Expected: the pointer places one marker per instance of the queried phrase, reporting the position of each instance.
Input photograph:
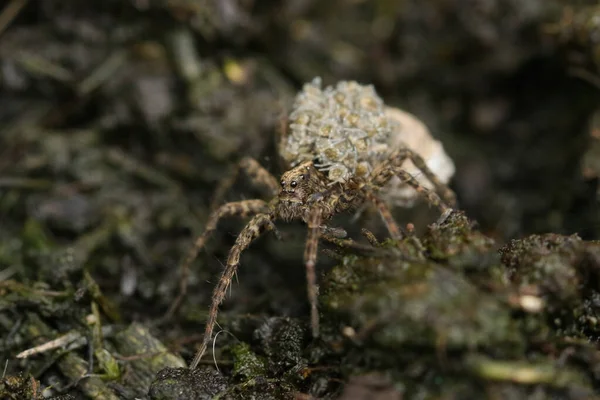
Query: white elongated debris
(413, 133)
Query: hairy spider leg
(259, 177)
(370, 236)
(239, 208)
(310, 259)
(386, 216)
(398, 157)
(324, 206)
(345, 243)
(255, 228)
(393, 167)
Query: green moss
(547, 260)
(423, 319)
(456, 242)
(20, 387)
(246, 364)
(418, 303)
(563, 271)
(185, 384)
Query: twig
(63, 341)
(9, 13)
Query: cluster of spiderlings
(341, 129)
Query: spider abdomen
(341, 128)
(347, 131)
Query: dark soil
(119, 118)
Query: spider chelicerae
(304, 193)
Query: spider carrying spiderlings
(338, 150)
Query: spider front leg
(258, 175)
(239, 208)
(254, 229)
(314, 220)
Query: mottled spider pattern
(337, 148)
(304, 193)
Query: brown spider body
(307, 193)
(305, 186)
(304, 193)
(297, 187)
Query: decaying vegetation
(119, 118)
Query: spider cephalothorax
(299, 187)
(354, 176)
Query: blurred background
(119, 118)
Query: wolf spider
(304, 193)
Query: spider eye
(302, 176)
(293, 184)
(282, 183)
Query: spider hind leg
(239, 208)
(258, 225)
(393, 167)
(396, 161)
